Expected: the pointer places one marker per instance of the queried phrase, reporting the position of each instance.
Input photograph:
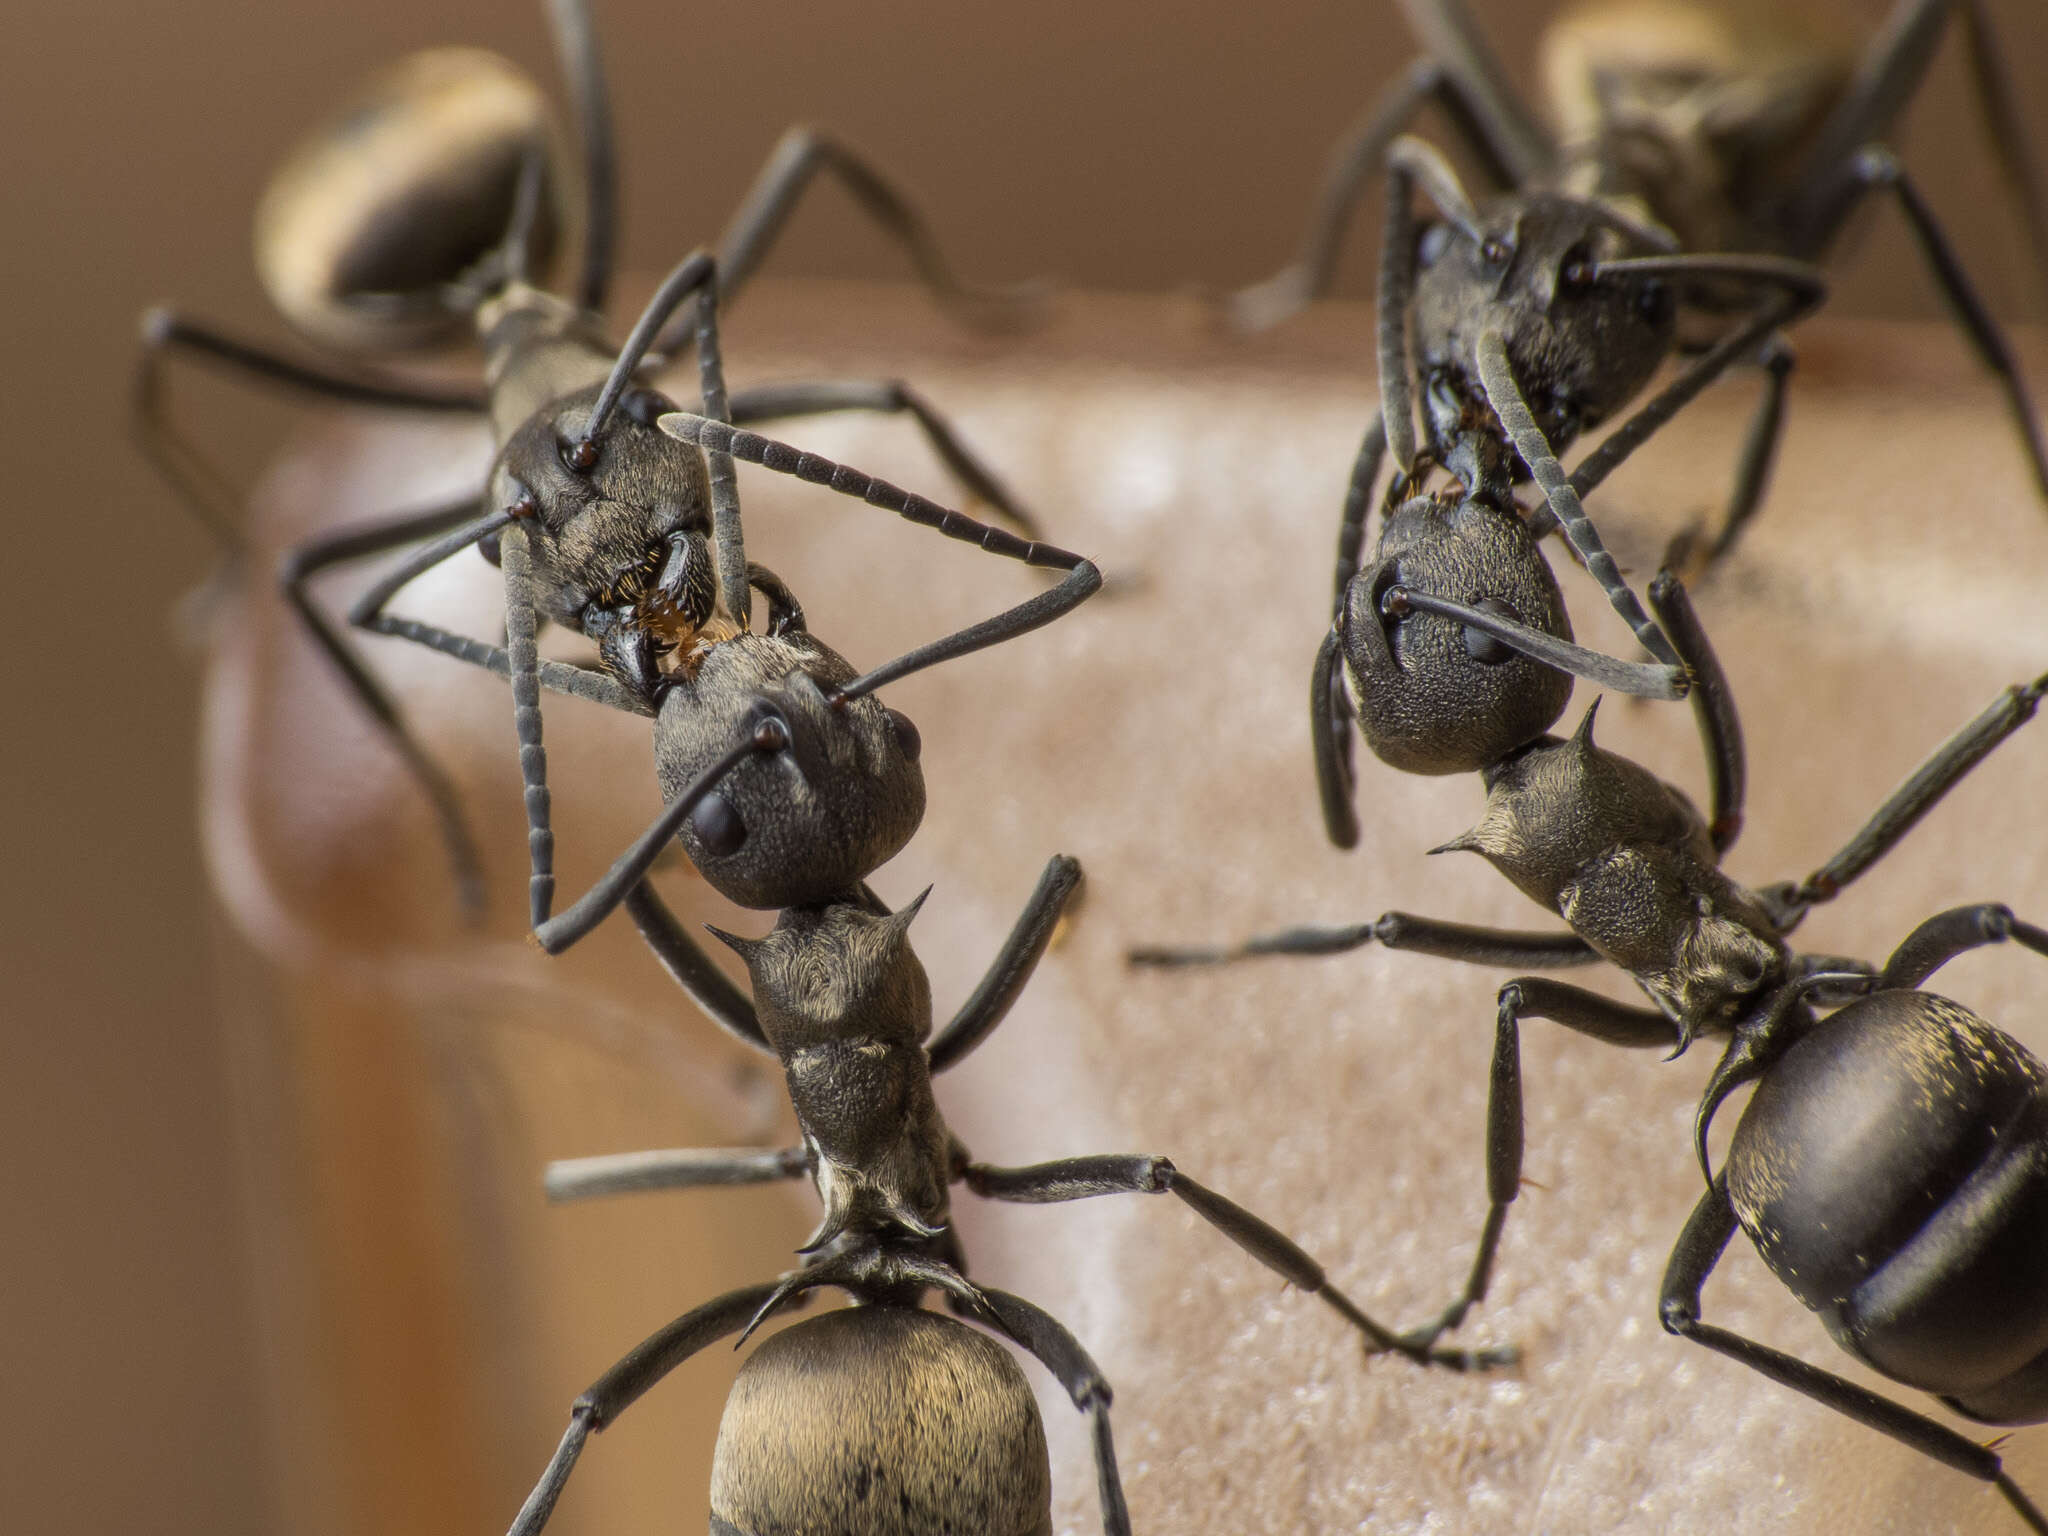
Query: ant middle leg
(1391, 930)
(1700, 1247)
(299, 565)
(1082, 1178)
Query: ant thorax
(844, 1001)
(1626, 860)
(1689, 111)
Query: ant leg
(1061, 1353)
(1877, 169)
(1262, 305)
(2008, 135)
(555, 934)
(1391, 930)
(205, 492)
(1365, 471)
(583, 69)
(1329, 730)
(628, 1173)
(1691, 551)
(621, 1386)
(723, 1002)
(803, 152)
(775, 401)
(1530, 997)
(1505, 396)
(1948, 934)
(1083, 1178)
(1950, 763)
(1082, 578)
(1509, 137)
(298, 566)
(1799, 288)
(166, 331)
(1409, 161)
(1890, 72)
(1014, 963)
(1700, 1246)
(1713, 708)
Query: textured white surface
(1891, 588)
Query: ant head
(1580, 345)
(626, 534)
(366, 234)
(1434, 696)
(805, 824)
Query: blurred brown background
(1109, 145)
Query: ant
(1889, 1165)
(1676, 135)
(839, 1423)
(425, 209)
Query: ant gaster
(389, 230)
(1676, 134)
(832, 1424)
(1892, 1166)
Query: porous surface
(1891, 587)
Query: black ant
(389, 231)
(1890, 1167)
(1723, 147)
(840, 1423)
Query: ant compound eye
(1496, 251)
(645, 405)
(1434, 242)
(1654, 303)
(487, 546)
(718, 825)
(907, 737)
(1490, 650)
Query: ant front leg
(1013, 966)
(621, 1386)
(1083, 1178)
(1713, 707)
(1700, 1247)
(1588, 1013)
